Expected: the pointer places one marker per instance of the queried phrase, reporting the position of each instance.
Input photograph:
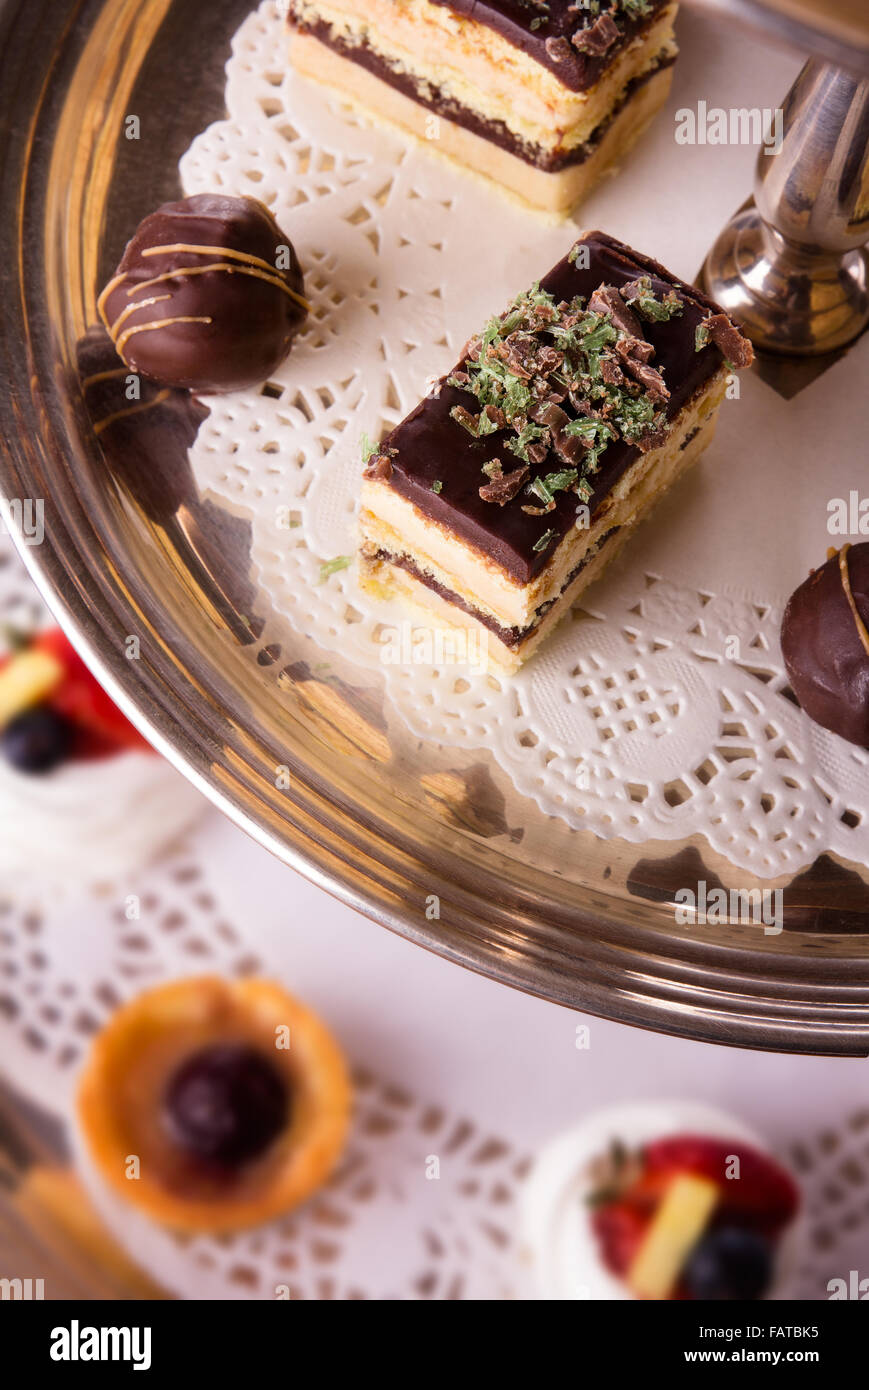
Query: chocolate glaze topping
(430, 446)
(546, 33)
(824, 639)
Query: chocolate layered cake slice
(523, 472)
(542, 98)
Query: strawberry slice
(101, 727)
(620, 1228)
(764, 1195)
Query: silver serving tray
(228, 691)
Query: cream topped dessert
(511, 486)
(542, 98)
(658, 1201)
(82, 794)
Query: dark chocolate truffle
(209, 295)
(825, 644)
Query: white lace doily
(667, 717)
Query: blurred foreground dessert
(82, 794)
(212, 1105)
(660, 1201)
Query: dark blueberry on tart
(52, 710)
(227, 1104)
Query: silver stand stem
(790, 266)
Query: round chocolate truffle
(209, 295)
(825, 644)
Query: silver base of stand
(790, 266)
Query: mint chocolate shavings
(564, 380)
(504, 486)
(544, 540)
(727, 338)
(642, 297)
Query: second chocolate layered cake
(541, 98)
(516, 480)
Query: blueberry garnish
(730, 1262)
(226, 1104)
(37, 740)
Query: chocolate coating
(218, 308)
(430, 445)
(826, 660)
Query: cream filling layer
(91, 822)
(553, 194)
(472, 65)
(388, 521)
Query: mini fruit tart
(662, 1202)
(213, 1105)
